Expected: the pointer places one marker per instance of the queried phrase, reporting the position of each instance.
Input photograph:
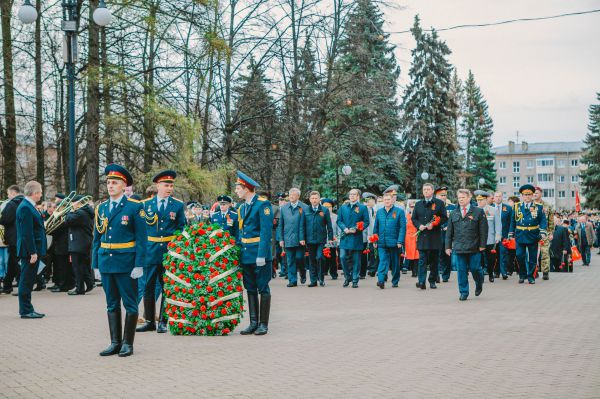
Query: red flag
(577, 202)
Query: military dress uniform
(227, 220)
(528, 224)
(255, 224)
(119, 247)
(164, 217)
(545, 244)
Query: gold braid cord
(101, 222)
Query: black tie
(113, 206)
(162, 205)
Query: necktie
(315, 209)
(162, 205)
(464, 211)
(113, 206)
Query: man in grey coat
(291, 236)
(494, 219)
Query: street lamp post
(102, 17)
(424, 176)
(346, 170)
(480, 182)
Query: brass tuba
(65, 206)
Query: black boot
(114, 326)
(265, 309)
(149, 310)
(162, 319)
(128, 334)
(253, 311)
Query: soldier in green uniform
(545, 244)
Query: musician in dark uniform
(528, 225)
(80, 225)
(225, 217)
(60, 255)
(164, 215)
(255, 223)
(119, 256)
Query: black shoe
(437, 280)
(521, 281)
(394, 285)
(312, 284)
(491, 278)
(381, 285)
(463, 298)
(532, 281)
(273, 275)
(546, 276)
(478, 289)
(253, 312)
(114, 326)
(404, 271)
(32, 315)
(292, 285)
(371, 274)
(504, 277)
(265, 310)
(496, 275)
(421, 286)
(39, 287)
(302, 280)
(128, 334)
(432, 285)
(346, 283)
(362, 277)
(445, 280)
(149, 325)
(162, 327)
(149, 313)
(354, 285)
(89, 287)
(322, 283)
(334, 277)
(75, 292)
(55, 289)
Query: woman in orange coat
(411, 258)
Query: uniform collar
(118, 200)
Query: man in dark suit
(428, 217)
(8, 220)
(31, 246)
(559, 246)
(60, 255)
(318, 232)
(291, 236)
(80, 225)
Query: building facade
(555, 167)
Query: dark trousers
(82, 271)
(412, 265)
(12, 268)
(445, 265)
(388, 259)
(527, 260)
(331, 264)
(428, 257)
(120, 287)
(510, 261)
(26, 281)
(586, 253)
(368, 261)
(489, 260)
(64, 271)
(350, 259)
(256, 278)
(466, 263)
(153, 278)
(295, 263)
(315, 256)
(281, 260)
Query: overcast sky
(539, 77)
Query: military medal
(125, 220)
(172, 215)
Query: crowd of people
(382, 236)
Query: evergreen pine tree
(477, 129)
(591, 157)
(362, 128)
(429, 141)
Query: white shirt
(249, 201)
(30, 201)
(117, 201)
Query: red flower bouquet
(360, 226)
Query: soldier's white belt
(528, 227)
(117, 245)
(250, 240)
(160, 239)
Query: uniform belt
(117, 245)
(160, 239)
(528, 227)
(250, 240)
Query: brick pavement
(515, 341)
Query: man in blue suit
(319, 232)
(350, 216)
(505, 214)
(164, 215)
(31, 246)
(291, 236)
(390, 227)
(255, 228)
(119, 257)
(225, 217)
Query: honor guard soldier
(226, 218)
(528, 225)
(255, 223)
(119, 256)
(164, 215)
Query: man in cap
(225, 217)
(60, 254)
(493, 217)
(119, 256)
(80, 223)
(353, 218)
(164, 215)
(445, 259)
(255, 223)
(545, 244)
(528, 225)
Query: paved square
(514, 341)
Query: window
(502, 180)
(560, 163)
(573, 194)
(529, 179)
(545, 177)
(516, 193)
(516, 167)
(516, 181)
(548, 193)
(545, 162)
(530, 164)
(574, 179)
(562, 194)
(560, 178)
(574, 162)
(502, 165)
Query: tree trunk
(93, 106)
(39, 127)
(9, 139)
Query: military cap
(393, 189)
(442, 188)
(481, 194)
(367, 195)
(327, 201)
(224, 198)
(78, 197)
(246, 181)
(527, 189)
(166, 176)
(401, 197)
(60, 196)
(116, 171)
(538, 188)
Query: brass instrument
(65, 206)
(2, 204)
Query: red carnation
(223, 311)
(178, 250)
(207, 255)
(221, 284)
(219, 234)
(201, 232)
(217, 249)
(203, 316)
(180, 325)
(239, 288)
(187, 243)
(202, 300)
(229, 279)
(228, 304)
(197, 276)
(220, 294)
(211, 298)
(203, 308)
(212, 315)
(235, 262)
(190, 268)
(226, 331)
(374, 238)
(234, 322)
(360, 226)
(195, 312)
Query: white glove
(97, 274)
(260, 262)
(137, 272)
